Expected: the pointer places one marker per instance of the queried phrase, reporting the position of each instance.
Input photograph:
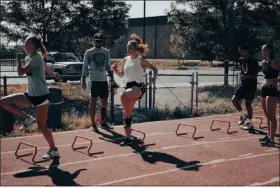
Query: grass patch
(173, 63)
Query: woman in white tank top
(132, 72)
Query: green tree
(62, 24)
(218, 27)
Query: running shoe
(268, 143)
(52, 153)
(264, 139)
(27, 125)
(94, 128)
(242, 119)
(126, 142)
(248, 126)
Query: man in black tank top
(248, 87)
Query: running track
(216, 159)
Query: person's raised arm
(32, 64)
(120, 73)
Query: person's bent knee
(234, 99)
(123, 96)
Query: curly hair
(138, 44)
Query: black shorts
(99, 89)
(141, 86)
(38, 99)
(270, 91)
(246, 91)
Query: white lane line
(189, 120)
(185, 167)
(224, 138)
(130, 154)
(274, 149)
(244, 155)
(272, 180)
(100, 141)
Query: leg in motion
(12, 103)
(104, 123)
(42, 115)
(264, 139)
(236, 102)
(128, 99)
(249, 125)
(271, 111)
(92, 110)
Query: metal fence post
(146, 101)
(112, 102)
(192, 90)
(196, 91)
(154, 93)
(150, 90)
(5, 89)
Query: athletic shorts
(246, 91)
(99, 89)
(38, 100)
(270, 91)
(141, 86)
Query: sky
(153, 8)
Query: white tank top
(133, 70)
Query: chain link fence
(213, 93)
(172, 96)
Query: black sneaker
(94, 128)
(268, 143)
(105, 125)
(126, 142)
(264, 139)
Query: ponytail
(43, 49)
(39, 44)
(142, 48)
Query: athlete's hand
(115, 67)
(84, 85)
(19, 57)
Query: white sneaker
(52, 153)
(248, 126)
(27, 125)
(242, 119)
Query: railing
(194, 93)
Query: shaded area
(151, 157)
(59, 177)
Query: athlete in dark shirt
(248, 86)
(270, 93)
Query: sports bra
(269, 72)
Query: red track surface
(216, 159)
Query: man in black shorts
(248, 86)
(96, 64)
